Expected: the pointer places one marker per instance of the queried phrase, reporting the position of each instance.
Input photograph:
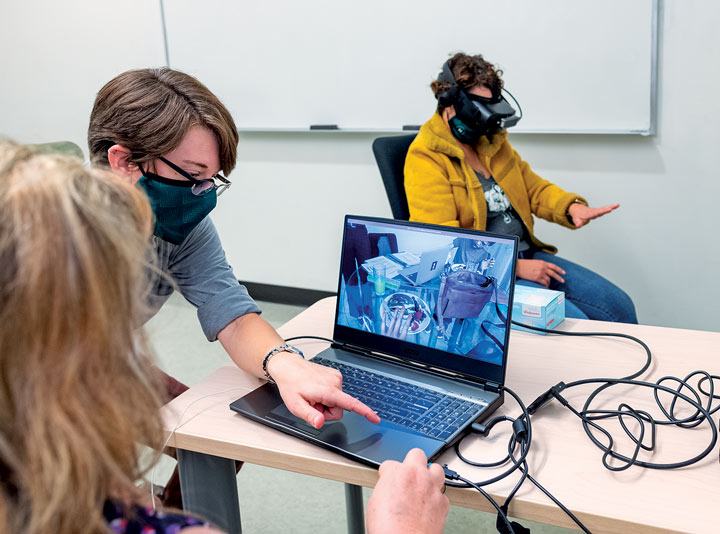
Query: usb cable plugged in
(450, 474)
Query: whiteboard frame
(651, 130)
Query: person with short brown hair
(460, 172)
(166, 132)
(149, 111)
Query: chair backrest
(390, 155)
(67, 148)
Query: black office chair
(390, 155)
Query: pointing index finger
(335, 397)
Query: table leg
(355, 509)
(209, 488)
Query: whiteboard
(57, 56)
(574, 65)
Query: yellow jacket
(442, 188)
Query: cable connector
(450, 474)
(545, 398)
(479, 428)
(484, 429)
(560, 398)
(520, 430)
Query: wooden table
(210, 436)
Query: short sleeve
(203, 276)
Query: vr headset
(482, 116)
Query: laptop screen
(431, 294)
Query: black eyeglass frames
(201, 187)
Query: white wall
(281, 220)
(57, 55)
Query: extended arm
(227, 313)
(310, 391)
(547, 200)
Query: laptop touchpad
(282, 415)
(353, 433)
(356, 435)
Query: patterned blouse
(140, 520)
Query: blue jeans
(587, 294)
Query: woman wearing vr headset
(462, 171)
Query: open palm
(582, 214)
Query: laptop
(428, 378)
(430, 266)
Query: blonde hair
(149, 111)
(76, 395)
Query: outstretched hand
(582, 214)
(408, 497)
(314, 392)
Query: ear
(119, 158)
(448, 113)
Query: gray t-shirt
(201, 273)
(501, 217)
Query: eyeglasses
(201, 187)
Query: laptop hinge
(350, 348)
(492, 387)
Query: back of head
(149, 111)
(469, 71)
(75, 396)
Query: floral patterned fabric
(140, 520)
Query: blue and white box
(542, 308)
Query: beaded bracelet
(273, 352)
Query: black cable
(453, 475)
(516, 103)
(484, 430)
(522, 435)
(646, 422)
(309, 337)
(558, 503)
(588, 417)
(524, 469)
(644, 368)
(523, 453)
(642, 418)
(709, 394)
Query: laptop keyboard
(420, 409)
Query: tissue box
(542, 308)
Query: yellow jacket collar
(437, 136)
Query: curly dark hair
(470, 71)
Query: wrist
(278, 358)
(573, 207)
(520, 271)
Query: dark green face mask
(462, 132)
(177, 210)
